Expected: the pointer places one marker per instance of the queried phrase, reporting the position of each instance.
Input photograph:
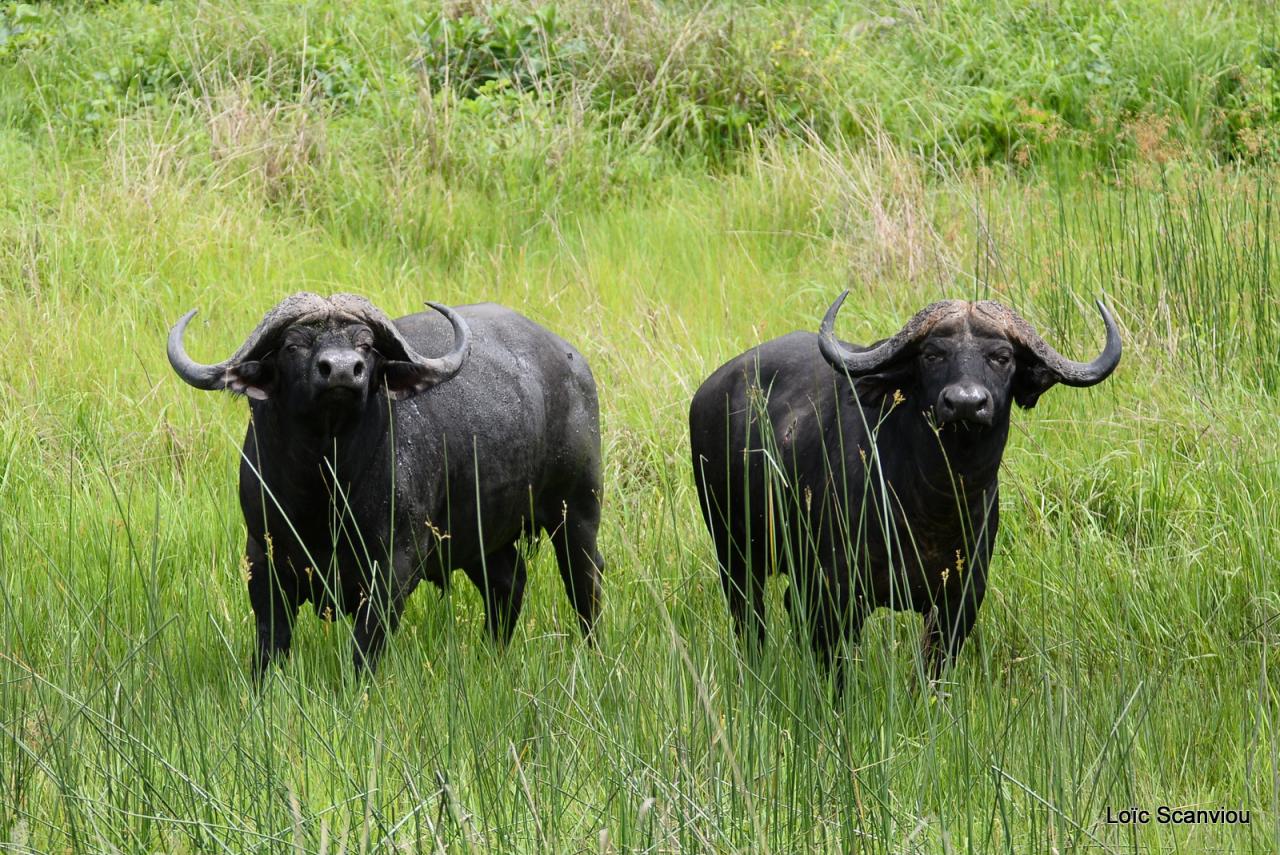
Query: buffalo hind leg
(501, 581)
(743, 571)
(744, 592)
(275, 607)
(574, 539)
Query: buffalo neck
(306, 454)
(940, 463)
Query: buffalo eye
(932, 357)
(292, 348)
(999, 359)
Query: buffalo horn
(425, 371)
(262, 340)
(862, 362)
(1071, 373)
(304, 307)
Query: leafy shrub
(709, 85)
(1248, 112)
(469, 52)
(1012, 80)
(22, 27)
(715, 83)
(144, 71)
(335, 72)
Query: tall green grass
(1126, 651)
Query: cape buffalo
(369, 466)
(874, 484)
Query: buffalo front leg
(947, 624)
(501, 580)
(950, 620)
(852, 619)
(376, 618)
(274, 600)
(381, 606)
(580, 562)
(832, 617)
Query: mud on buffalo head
(315, 354)
(965, 362)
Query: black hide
(351, 498)
(879, 490)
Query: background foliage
(665, 184)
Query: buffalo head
(314, 354)
(965, 361)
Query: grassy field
(664, 185)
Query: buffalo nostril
(951, 401)
(325, 367)
(965, 402)
(358, 369)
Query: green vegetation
(664, 185)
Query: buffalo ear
(1032, 379)
(874, 390)
(404, 379)
(253, 378)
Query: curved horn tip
(194, 373)
(452, 316)
(1108, 318)
(1109, 321)
(179, 328)
(829, 320)
(185, 319)
(1083, 374)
